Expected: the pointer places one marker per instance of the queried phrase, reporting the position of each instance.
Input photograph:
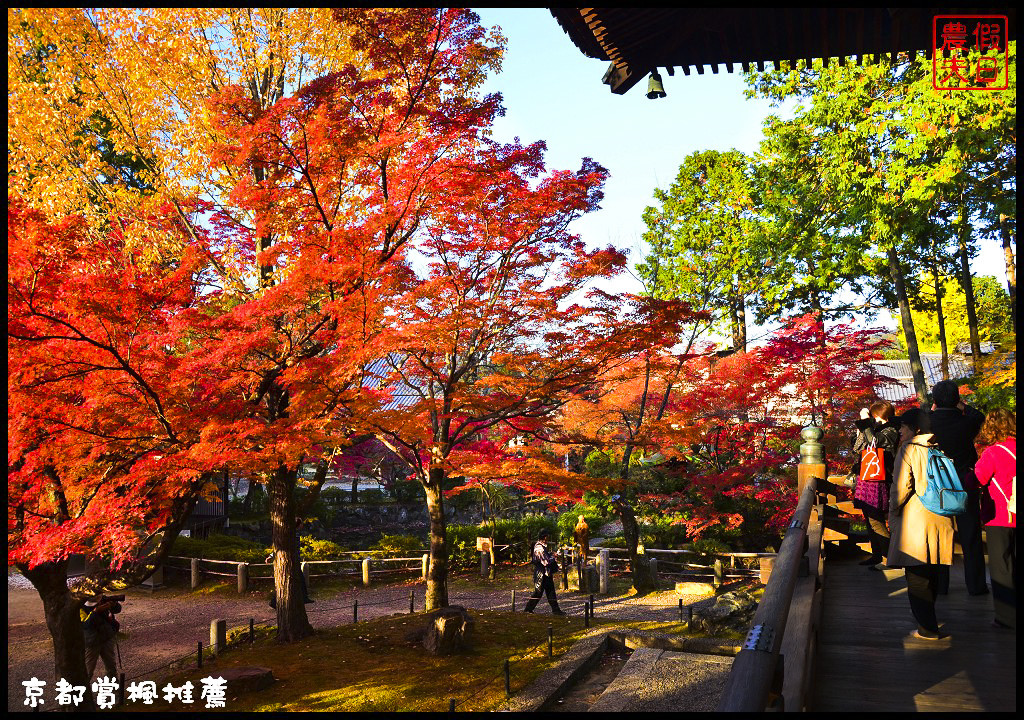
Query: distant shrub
(315, 549)
(220, 547)
(373, 496)
(400, 545)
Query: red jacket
(998, 467)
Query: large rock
(731, 609)
(448, 630)
(246, 679)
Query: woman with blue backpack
(921, 540)
(997, 474)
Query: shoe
(558, 612)
(870, 561)
(979, 594)
(307, 601)
(528, 610)
(878, 566)
(923, 634)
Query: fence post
(195, 573)
(654, 571)
(412, 602)
(304, 567)
(719, 572)
(485, 564)
(426, 565)
(243, 577)
(602, 569)
(219, 636)
(812, 457)
(513, 600)
(366, 572)
(252, 631)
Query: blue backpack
(944, 494)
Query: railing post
(195, 573)
(812, 457)
(426, 565)
(366, 572)
(602, 570)
(243, 577)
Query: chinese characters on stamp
(105, 689)
(969, 52)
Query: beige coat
(917, 536)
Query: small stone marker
(219, 636)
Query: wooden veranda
(831, 635)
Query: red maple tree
(102, 425)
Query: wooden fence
(366, 567)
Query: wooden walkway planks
(868, 659)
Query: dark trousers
(543, 585)
(1002, 566)
(922, 586)
(101, 650)
(968, 528)
(878, 532)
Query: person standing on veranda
(921, 542)
(955, 425)
(997, 472)
(876, 429)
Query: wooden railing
(773, 668)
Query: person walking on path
(921, 542)
(877, 430)
(544, 568)
(997, 472)
(955, 425)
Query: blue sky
(552, 92)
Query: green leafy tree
(698, 236)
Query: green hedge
(221, 547)
(520, 533)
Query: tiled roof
(899, 383)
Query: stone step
(656, 680)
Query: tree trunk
(638, 564)
(738, 321)
(940, 317)
(62, 620)
(967, 283)
(907, 321)
(292, 622)
(1011, 267)
(741, 318)
(437, 571)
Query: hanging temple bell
(654, 87)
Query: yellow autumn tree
(143, 76)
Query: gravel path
(164, 626)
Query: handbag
(872, 464)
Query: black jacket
(954, 434)
(886, 436)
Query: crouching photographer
(100, 629)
